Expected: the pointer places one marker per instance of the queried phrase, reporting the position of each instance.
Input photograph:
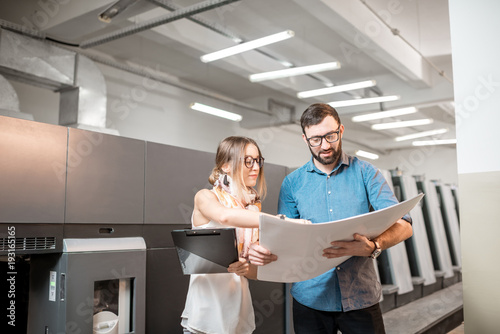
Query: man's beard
(330, 160)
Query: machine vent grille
(31, 243)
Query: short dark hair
(316, 113)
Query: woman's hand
(239, 267)
(259, 256)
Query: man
(333, 186)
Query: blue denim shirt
(347, 191)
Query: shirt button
(338, 268)
(329, 192)
(331, 210)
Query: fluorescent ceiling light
(355, 102)
(384, 114)
(216, 112)
(365, 154)
(257, 43)
(394, 125)
(434, 142)
(336, 89)
(421, 134)
(290, 72)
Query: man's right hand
(259, 256)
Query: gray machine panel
(274, 177)
(62, 287)
(166, 292)
(32, 171)
(270, 305)
(102, 230)
(159, 236)
(105, 178)
(451, 224)
(32, 238)
(418, 249)
(435, 226)
(173, 176)
(394, 265)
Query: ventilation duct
(9, 102)
(80, 83)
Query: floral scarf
(223, 189)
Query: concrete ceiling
(407, 63)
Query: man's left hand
(360, 246)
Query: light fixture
(216, 112)
(336, 89)
(365, 154)
(403, 124)
(355, 102)
(434, 142)
(384, 114)
(257, 43)
(290, 72)
(421, 134)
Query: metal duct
(8, 96)
(175, 15)
(9, 102)
(86, 102)
(80, 83)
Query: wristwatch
(377, 250)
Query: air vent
(31, 243)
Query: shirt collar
(311, 167)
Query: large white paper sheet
(299, 247)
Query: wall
(477, 97)
(432, 162)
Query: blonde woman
(221, 303)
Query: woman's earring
(226, 182)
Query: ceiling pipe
(175, 15)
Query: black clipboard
(206, 251)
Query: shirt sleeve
(286, 203)
(379, 193)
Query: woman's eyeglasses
(249, 161)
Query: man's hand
(360, 246)
(260, 256)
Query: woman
(221, 303)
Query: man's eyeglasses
(249, 161)
(330, 137)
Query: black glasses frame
(249, 163)
(324, 137)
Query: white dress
(218, 303)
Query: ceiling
(414, 64)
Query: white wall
(474, 26)
(431, 162)
(145, 109)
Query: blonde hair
(232, 150)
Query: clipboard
(206, 251)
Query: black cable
(61, 42)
